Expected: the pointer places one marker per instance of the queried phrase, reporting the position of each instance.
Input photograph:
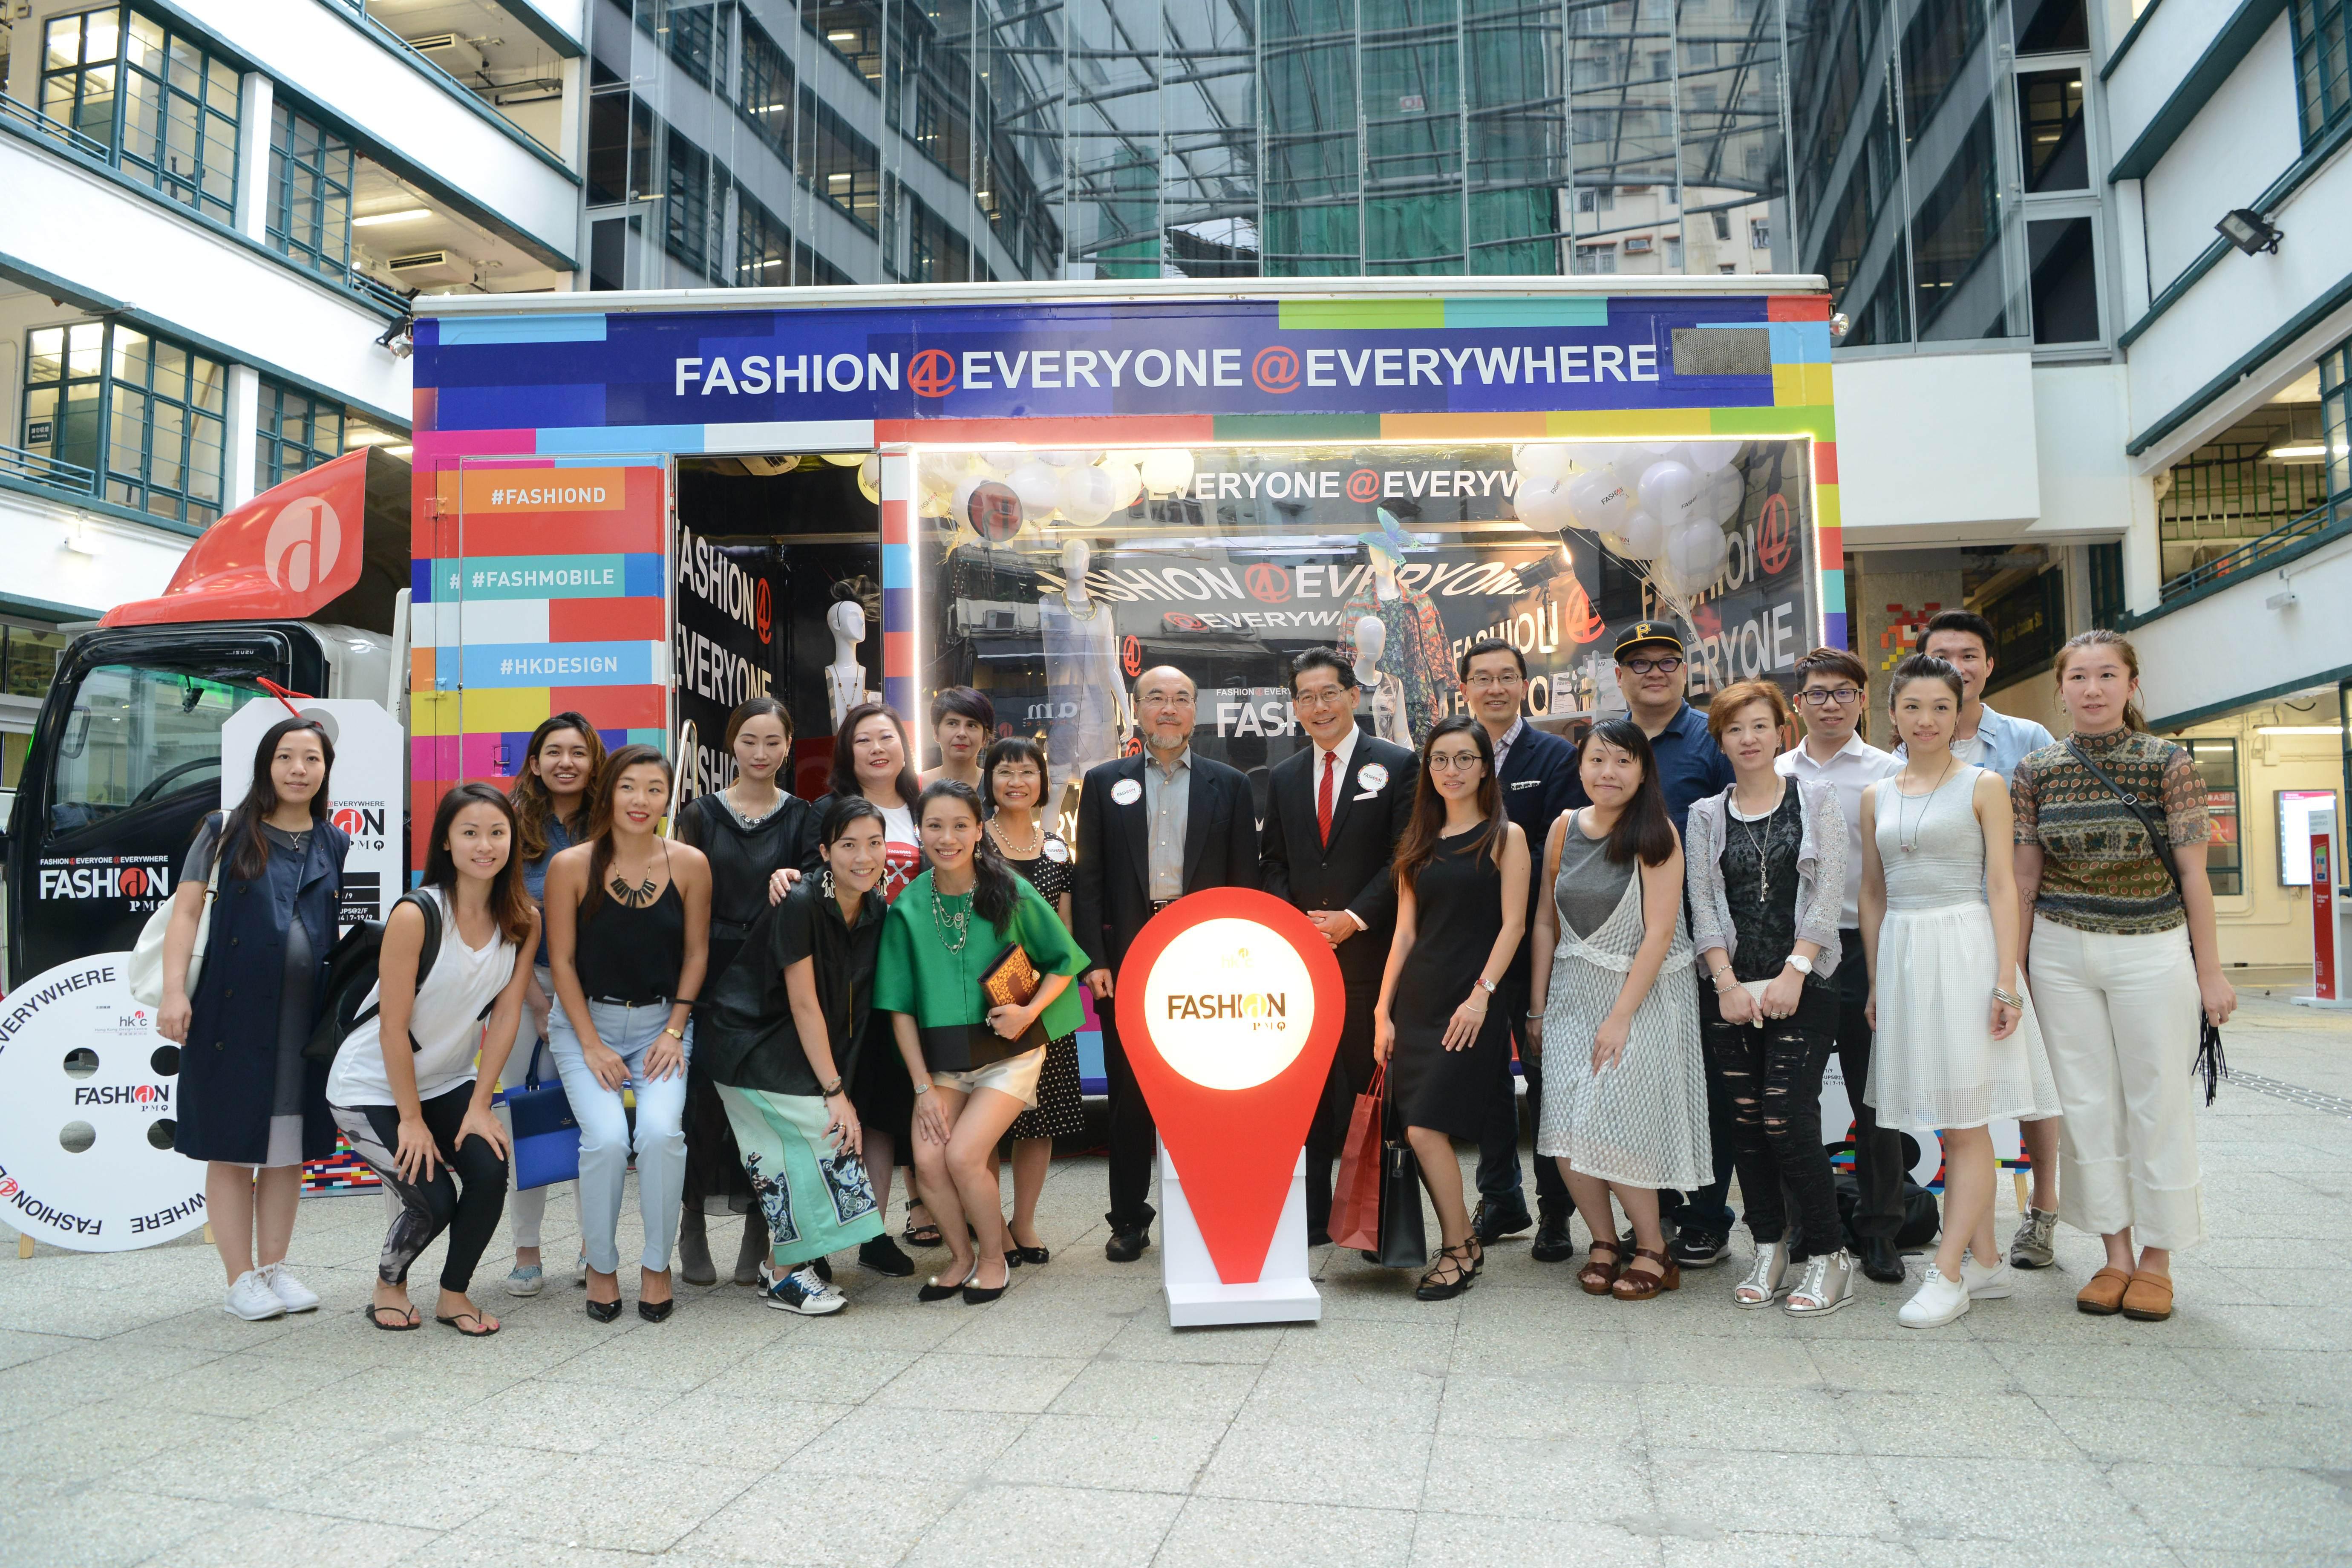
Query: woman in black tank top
(628, 931)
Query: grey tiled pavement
(1067, 1423)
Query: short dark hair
(1968, 621)
(1011, 749)
(965, 702)
(1328, 658)
(1831, 661)
(1487, 645)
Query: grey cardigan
(1820, 871)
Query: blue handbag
(546, 1134)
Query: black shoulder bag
(2210, 1064)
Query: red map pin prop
(1229, 1005)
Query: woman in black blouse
(758, 836)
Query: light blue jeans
(630, 1033)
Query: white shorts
(1015, 1076)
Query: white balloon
(937, 472)
(1726, 494)
(1126, 481)
(1645, 538)
(999, 463)
(1696, 551)
(1166, 470)
(1544, 460)
(1039, 485)
(1656, 448)
(935, 504)
(1088, 495)
(1592, 455)
(1060, 460)
(1602, 499)
(1668, 491)
(869, 478)
(1542, 503)
(1711, 456)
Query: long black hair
(533, 807)
(241, 838)
(1419, 843)
(1644, 829)
(510, 903)
(600, 819)
(844, 754)
(992, 893)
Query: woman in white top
(405, 1089)
(1957, 1048)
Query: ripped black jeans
(1772, 1076)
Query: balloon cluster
(1083, 488)
(1659, 506)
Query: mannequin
(1076, 556)
(844, 678)
(1385, 691)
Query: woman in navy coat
(251, 1105)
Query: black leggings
(1772, 1076)
(467, 1207)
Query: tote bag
(546, 1134)
(1404, 1242)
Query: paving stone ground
(1522, 1423)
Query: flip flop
(410, 1320)
(457, 1321)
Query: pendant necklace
(1910, 841)
(1763, 864)
(640, 895)
(957, 921)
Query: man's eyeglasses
(1653, 666)
(1843, 696)
(1486, 682)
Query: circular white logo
(1371, 777)
(305, 539)
(1126, 792)
(1055, 850)
(89, 1096)
(1230, 1004)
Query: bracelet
(1533, 1017)
(674, 1033)
(829, 1090)
(2009, 999)
(924, 1087)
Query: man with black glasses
(1833, 691)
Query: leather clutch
(1009, 982)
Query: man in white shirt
(1832, 690)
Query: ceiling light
(841, 36)
(2251, 232)
(369, 439)
(400, 451)
(2289, 454)
(2298, 729)
(406, 214)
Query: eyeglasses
(1453, 762)
(1653, 666)
(1329, 698)
(1486, 682)
(1843, 696)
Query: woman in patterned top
(1767, 883)
(2122, 963)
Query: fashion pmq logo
(1363, 485)
(932, 374)
(1267, 583)
(360, 822)
(304, 541)
(1275, 370)
(145, 1096)
(1259, 1009)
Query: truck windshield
(137, 736)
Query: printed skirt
(816, 1201)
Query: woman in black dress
(1462, 901)
(758, 836)
(1012, 784)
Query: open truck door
(299, 588)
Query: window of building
(2065, 280)
(2216, 763)
(2049, 122)
(2048, 27)
(29, 656)
(165, 109)
(142, 412)
(1596, 258)
(1591, 200)
(767, 97)
(936, 253)
(697, 32)
(688, 209)
(839, 164)
(1727, 267)
(2323, 58)
(2336, 416)
(763, 245)
(295, 430)
(1760, 233)
(1637, 245)
(310, 192)
(620, 147)
(852, 30)
(1673, 253)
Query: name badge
(1126, 792)
(1371, 777)
(1525, 783)
(1058, 850)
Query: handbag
(2210, 1064)
(1008, 981)
(143, 971)
(1356, 1199)
(1404, 1244)
(545, 1134)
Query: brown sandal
(2103, 1296)
(1632, 1286)
(1597, 1277)
(2148, 1297)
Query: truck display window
(1052, 579)
(136, 736)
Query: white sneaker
(1767, 1280)
(801, 1291)
(1938, 1301)
(295, 1296)
(1828, 1285)
(252, 1298)
(1995, 1284)
(525, 1279)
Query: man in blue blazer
(1539, 778)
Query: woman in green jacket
(941, 936)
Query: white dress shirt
(1855, 768)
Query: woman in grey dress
(1624, 1107)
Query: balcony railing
(2246, 557)
(33, 120)
(50, 473)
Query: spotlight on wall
(397, 338)
(1841, 324)
(2251, 232)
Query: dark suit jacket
(1539, 781)
(1353, 872)
(1110, 898)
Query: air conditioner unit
(452, 52)
(1636, 243)
(423, 268)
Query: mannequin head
(846, 620)
(1371, 641)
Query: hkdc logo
(304, 541)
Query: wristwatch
(675, 1033)
(1487, 985)
(1800, 964)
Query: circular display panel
(1230, 1003)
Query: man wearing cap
(1653, 672)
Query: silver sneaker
(1767, 1280)
(1827, 1286)
(2030, 1247)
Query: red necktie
(1323, 798)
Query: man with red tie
(1333, 815)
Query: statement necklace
(956, 921)
(1036, 841)
(642, 893)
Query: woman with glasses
(1462, 903)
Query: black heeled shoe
(604, 1311)
(932, 1290)
(979, 1295)
(1028, 1254)
(655, 1312)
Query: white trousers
(2119, 1016)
